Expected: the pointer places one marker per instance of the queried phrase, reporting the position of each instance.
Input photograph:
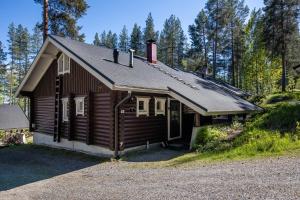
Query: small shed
(12, 117)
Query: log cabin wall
(78, 83)
(136, 131)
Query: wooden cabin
(102, 101)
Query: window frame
(145, 101)
(69, 64)
(65, 109)
(162, 111)
(63, 58)
(77, 105)
(59, 72)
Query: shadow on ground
(24, 164)
(154, 155)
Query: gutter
(116, 153)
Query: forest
(254, 50)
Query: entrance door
(174, 119)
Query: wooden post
(197, 120)
(89, 132)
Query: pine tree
(199, 44)
(36, 41)
(123, 39)
(12, 53)
(172, 41)
(2, 73)
(96, 41)
(63, 17)
(149, 31)
(280, 29)
(111, 40)
(103, 38)
(237, 13)
(136, 42)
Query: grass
(275, 132)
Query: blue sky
(108, 14)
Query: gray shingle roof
(12, 117)
(208, 94)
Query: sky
(108, 14)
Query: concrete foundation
(47, 140)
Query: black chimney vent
(116, 56)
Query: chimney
(116, 56)
(131, 51)
(151, 51)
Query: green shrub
(283, 118)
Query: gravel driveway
(273, 178)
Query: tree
(96, 41)
(172, 42)
(261, 72)
(12, 53)
(2, 73)
(36, 41)
(136, 40)
(237, 13)
(111, 40)
(199, 44)
(280, 29)
(123, 39)
(63, 17)
(103, 38)
(149, 31)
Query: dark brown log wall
(78, 83)
(44, 114)
(135, 131)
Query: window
(142, 104)
(160, 104)
(63, 64)
(79, 101)
(65, 109)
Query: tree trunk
(45, 32)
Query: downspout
(116, 154)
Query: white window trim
(69, 63)
(65, 109)
(146, 106)
(77, 103)
(62, 56)
(60, 72)
(163, 106)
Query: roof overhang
(43, 60)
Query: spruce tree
(123, 39)
(63, 17)
(136, 42)
(96, 41)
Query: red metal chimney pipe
(151, 51)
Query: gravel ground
(272, 178)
